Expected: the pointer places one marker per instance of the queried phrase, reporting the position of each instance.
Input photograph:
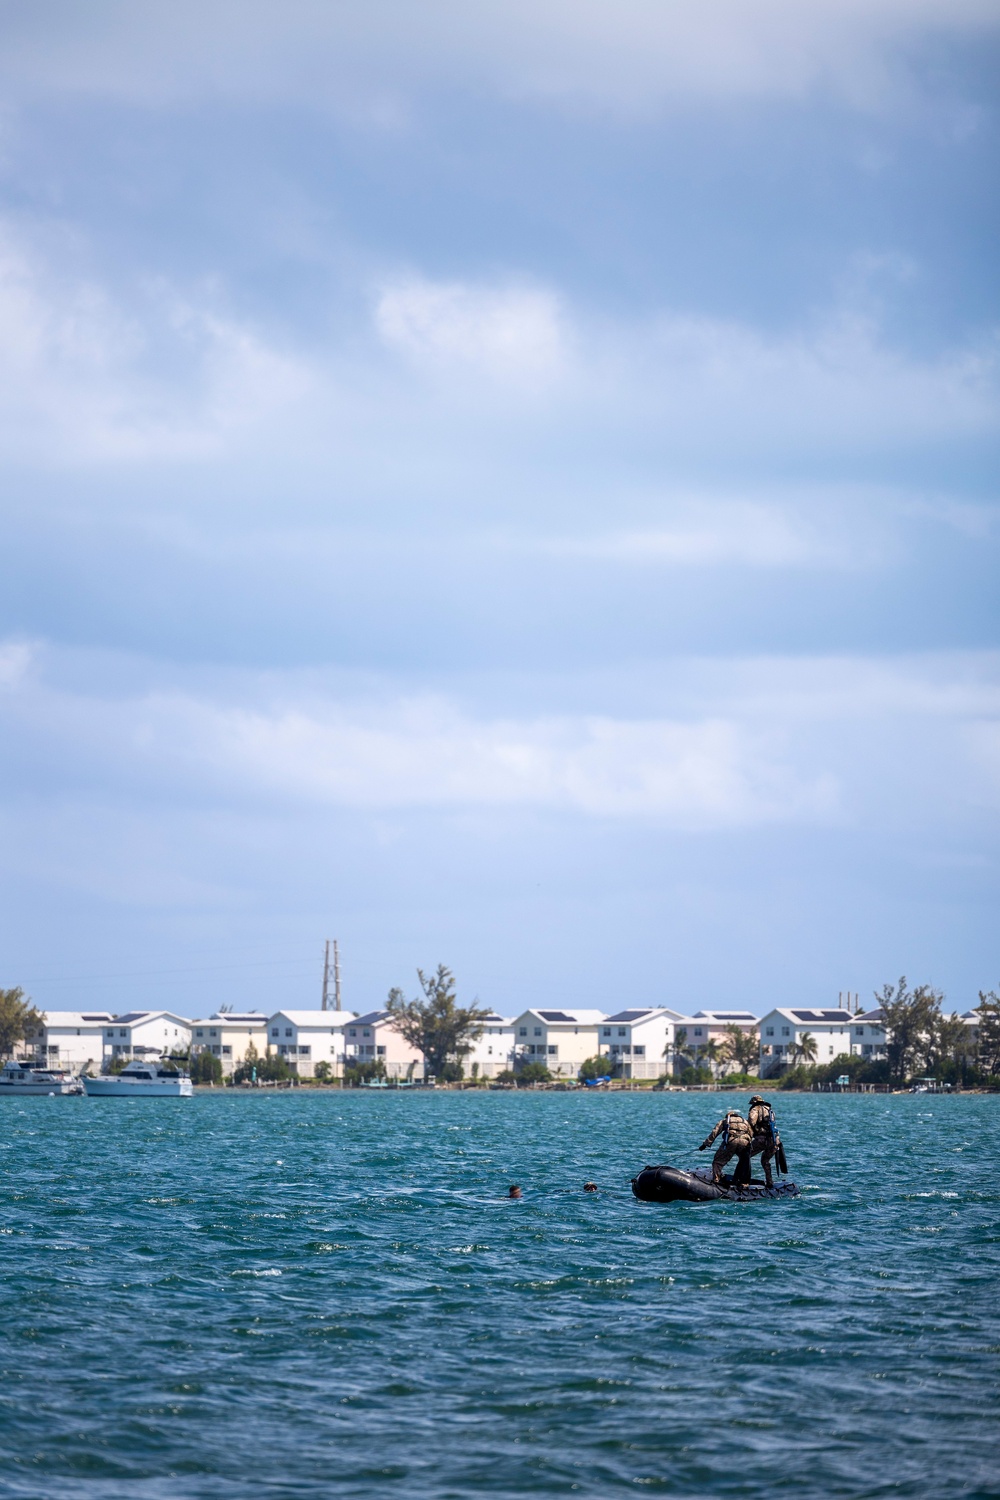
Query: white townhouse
(228, 1035)
(374, 1037)
(695, 1032)
(494, 1051)
(146, 1033)
(868, 1035)
(642, 1041)
(307, 1037)
(781, 1032)
(69, 1038)
(561, 1039)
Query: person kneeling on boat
(736, 1139)
(766, 1140)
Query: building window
(303, 1051)
(282, 1047)
(553, 1051)
(859, 1031)
(226, 1051)
(639, 1051)
(538, 1031)
(351, 1031)
(607, 1031)
(199, 1033)
(274, 1031)
(288, 1031)
(379, 1051)
(123, 1033)
(366, 1032)
(769, 1031)
(622, 1031)
(216, 1050)
(523, 1031)
(697, 1031)
(785, 1031)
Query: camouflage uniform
(736, 1140)
(766, 1139)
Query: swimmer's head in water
(514, 1191)
(590, 1187)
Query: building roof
(727, 1016)
(372, 1018)
(314, 1018)
(569, 1017)
(75, 1017)
(133, 1017)
(645, 1014)
(821, 1015)
(244, 1017)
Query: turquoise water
(315, 1295)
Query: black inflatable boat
(674, 1185)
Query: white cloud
(15, 659)
(170, 378)
(510, 332)
(359, 56)
(743, 743)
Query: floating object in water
(673, 1185)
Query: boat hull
(665, 1184)
(19, 1090)
(115, 1088)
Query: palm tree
(804, 1050)
(739, 1047)
(681, 1049)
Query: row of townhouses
(646, 1042)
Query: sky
(510, 486)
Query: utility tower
(334, 970)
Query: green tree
(909, 1019)
(532, 1072)
(596, 1067)
(322, 1071)
(244, 1072)
(988, 1011)
(435, 1024)
(364, 1070)
(272, 1068)
(17, 1017)
(206, 1068)
(804, 1048)
(740, 1048)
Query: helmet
(756, 1099)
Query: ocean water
(330, 1295)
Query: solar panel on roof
(554, 1015)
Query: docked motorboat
(675, 1185)
(18, 1078)
(140, 1080)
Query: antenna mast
(333, 968)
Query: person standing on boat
(766, 1140)
(736, 1138)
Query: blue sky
(504, 485)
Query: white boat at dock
(18, 1078)
(140, 1080)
